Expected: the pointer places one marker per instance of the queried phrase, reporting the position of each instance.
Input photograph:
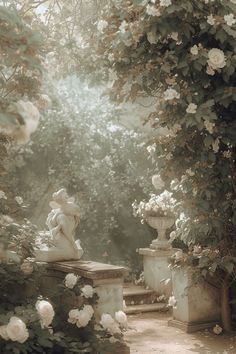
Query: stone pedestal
(105, 278)
(156, 269)
(198, 305)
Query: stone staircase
(138, 299)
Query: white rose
(153, 11)
(71, 280)
(209, 126)
(45, 311)
(217, 329)
(171, 94)
(123, 27)
(44, 101)
(165, 3)
(215, 145)
(210, 71)
(172, 302)
(192, 108)
(3, 332)
(19, 200)
(152, 37)
(101, 25)
(106, 321)
(89, 309)
(3, 195)
(114, 329)
(16, 330)
(216, 59)
(194, 50)
(83, 318)
(230, 20)
(157, 182)
(211, 20)
(178, 255)
(121, 318)
(73, 316)
(87, 291)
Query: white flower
(197, 249)
(123, 26)
(89, 309)
(172, 302)
(107, 321)
(44, 101)
(19, 200)
(209, 126)
(114, 328)
(174, 36)
(45, 311)
(73, 316)
(215, 145)
(87, 291)
(192, 108)
(165, 3)
(3, 332)
(151, 148)
(16, 330)
(211, 20)
(227, 154)
(152, 37)
(121, 318)
(194, 50)
(190, 172)
(83, 318)
(216, 59)
(178, 256)
(157, 182)
(217, 329)
(210, 71)
(152, 11)
(3, 195)
(230, 19)
(171, 94)
(101, 25)
(71, 280)
(26, 268)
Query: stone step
(138, 295)
(134, 309)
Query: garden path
(149, 333)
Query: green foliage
(156, 49)
(82, 145)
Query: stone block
(156, 269)
(198, 304)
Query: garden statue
(62, 222)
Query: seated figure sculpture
(62, 222)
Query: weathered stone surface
(198, 305)
(105, 278)
(156, 269)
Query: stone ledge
(89, 269)
(151, 252)
(190, 327)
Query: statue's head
(60, 198)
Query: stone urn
(161, 224)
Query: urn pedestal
(157, 273)
(156, 259)
(198, 304)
